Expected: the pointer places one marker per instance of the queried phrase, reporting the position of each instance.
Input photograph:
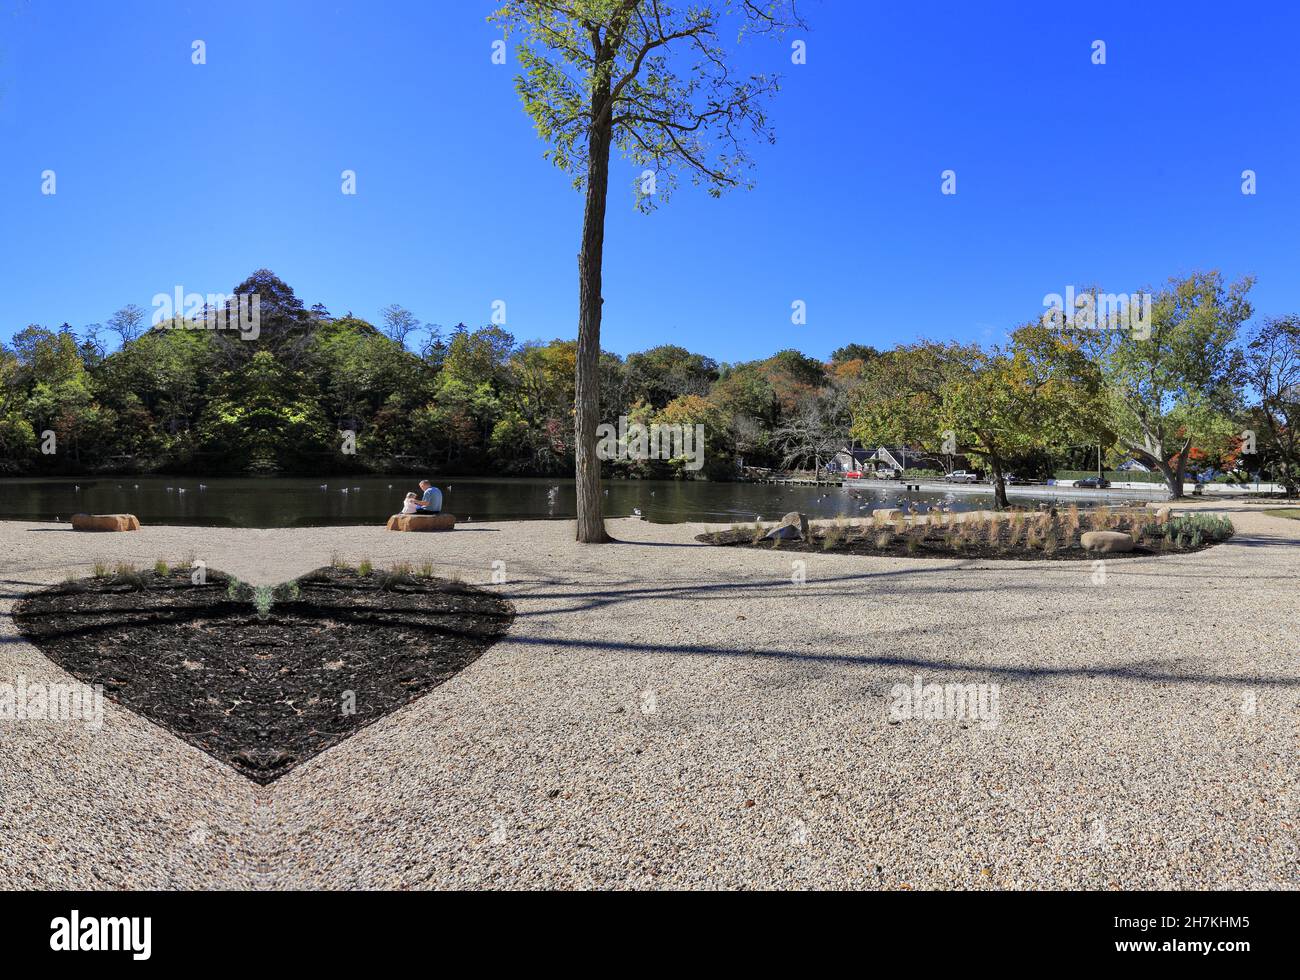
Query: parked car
(1008, 479)
(1092, 483)
(960, 476)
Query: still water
(284, 502)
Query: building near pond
(889, 460)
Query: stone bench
(105, 522)
(422, 522)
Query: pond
(302, 502)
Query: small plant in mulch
(285, 672)
(1037, 535)
(832, 536)
(263, 600)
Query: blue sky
(1119, 175)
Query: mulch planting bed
(263, 679)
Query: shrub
(831, 536)
(365, 567)
(263, 600)
(993, 529)
(1185, 528)
(388, 581)
(160, 567)
(72, 583)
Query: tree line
(1190, 384)
(317, 393)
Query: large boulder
(105, 522)
(1106, 541)
(1164, 515)
(422, 522)
(793, 527)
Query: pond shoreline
(334, 502)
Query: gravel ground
(669, 715)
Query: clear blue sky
(1067, 173)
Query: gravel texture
(666, 714)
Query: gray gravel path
(669, 715)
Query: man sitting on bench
(431, 501)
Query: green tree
(690, 411)
(1273, 371)
(900, 400)
(663, 373)
(1039, 392)
(1177, 378)
(264, 418)
(651, 78)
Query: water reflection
(294, 502)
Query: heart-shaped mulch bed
(263, 679)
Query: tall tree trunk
(1173, 480)
(1180, 471)
(1174, 474)
(999, 483)
(1152, 455)
(591, 525)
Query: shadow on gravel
(1145, 671)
